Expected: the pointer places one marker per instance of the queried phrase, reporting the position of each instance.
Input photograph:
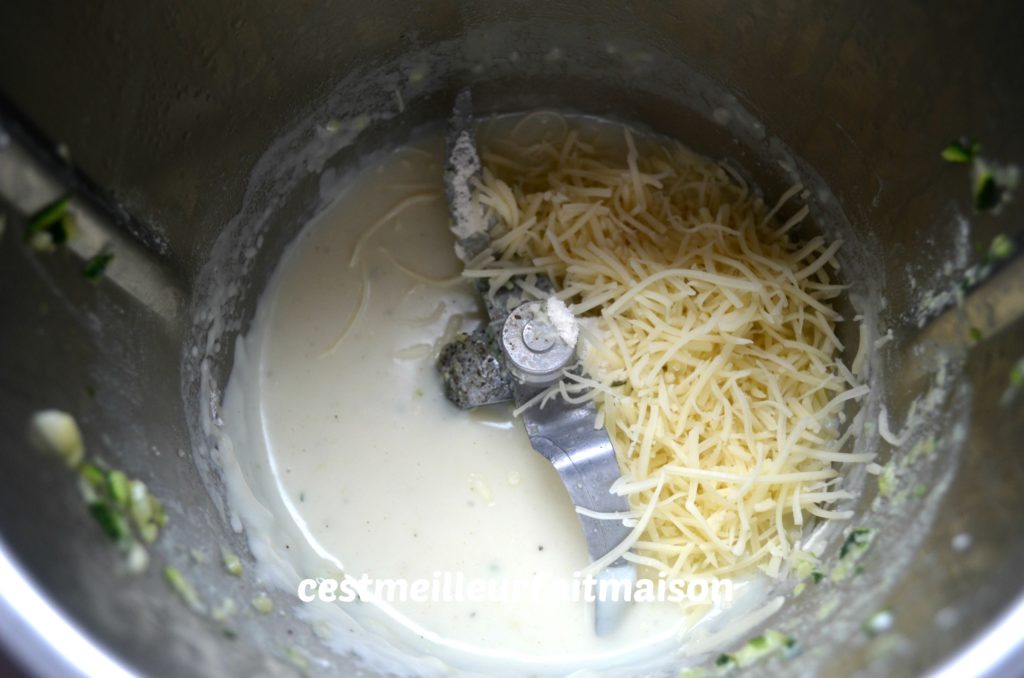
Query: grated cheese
(707, 336)
(563, 320)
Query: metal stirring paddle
(517, 356)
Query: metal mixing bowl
(183, 122)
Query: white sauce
(350, 459)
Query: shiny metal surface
(184, 116)
(564, 434)
(534, 352)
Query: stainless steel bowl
(183, 123)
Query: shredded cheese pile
(708, 338)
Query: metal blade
(566, 435)
(461, 170)
(476, 373)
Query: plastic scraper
(519, 354)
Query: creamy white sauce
(341, 453)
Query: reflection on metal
(982, 312)
(27, 186)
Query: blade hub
(535, 352)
